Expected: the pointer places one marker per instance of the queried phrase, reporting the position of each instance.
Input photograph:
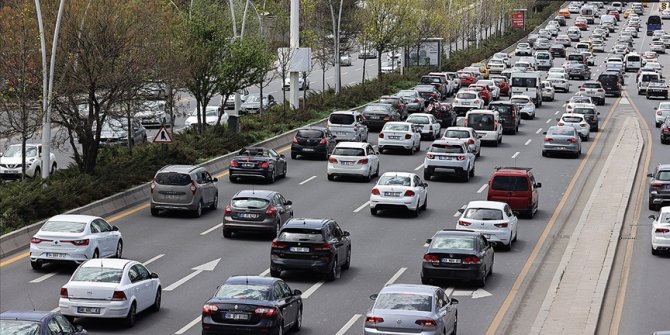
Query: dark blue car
(37, 323)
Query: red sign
(518, 19)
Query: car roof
(313, 223)
(178, 168)
(560, 128)
(455, 232)
(113, 263)
(583, 105)
(398, 122)
(487, 204)
(502, 102)
(408, 288)
(344, 112)
(73, 218)
(253, 280)
(505, 170)
(402, 174)
(572, 115)
(352, 145)
(26, 315)
(480, 111)
(665, 166)
(255, 193)
(419, 114)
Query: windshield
(19, 327)
(64, 227)
(238, 291)
(301, 235)
(395, 180)
(98, 274)
(483, 214)
(524, 82)
(253, 98)
(251, 203)
(404, 301)
(15, 151)
(572, 119)
(341, 119)
(446, 148)
(113, 125)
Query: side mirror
(544, 133)
(424, 184)
(461, 210)
(289, 202)
(374, 296)
(429, 240)
(297, 292)
(346, 233)
(558, 119)
(154, 275)
(538, 185)
(115, 228)
(215, 179)
(598, 113)
(651, 217)
(454, 301)
(649, 175)
(655, 108)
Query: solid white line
(367, 203)
(43, 278)
(212, 229)
(548, 120)
(307, 180)
(538, 131)
(55, 310)
(481, 189)
(188, 326)
(312, 289)
(348, 325)
(153, 259)
(264, 273)
(419, 167)
(515, 154)
(182, 281)
(529, 140)
(396, 276)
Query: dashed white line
(396, 276)
(348, 325)
(312, 289)
(188, 325)
(515, 154)
(481, 189)
(562, 106)
(55, 310)
(457, 214)
(538, 131)
(548, 120)
(557, 112)
(527, 142)
(212, 229)
(153, 259)
(264, 273)
(307, 180)
(43, 278)
(419, 167)
(367, 203)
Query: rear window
(450, 242)
(456, 134)
(349, 152)
(418, 119)
(572, 119)
(258, 152)
(98, 274)
(481, 121)
(173, 178)
(608, 78)
(376, 109)
(510, 183)
(395, 180)
(502, 109)
(250, 292)
(633, 58)
(251, 203)
(310, 133)
(561, 132)
(388, 100)
(446, 148)
(301, 235)
(649, 77)
(483, 214)
(584, 111)
(341, 119)
(519, 100)
(575, 57)
(542, 56)
(404, 301)
(591, 85)
(63, 227)
(396, 127)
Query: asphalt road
(385, 249)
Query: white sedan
(402, 190)
(74, 238)
(110, 288)
(357, 159)
(210, 118)
(427, 123)
(493, 219)
(399, 135)
(660, 231)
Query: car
(632, 30)
(397, 102)
(415, 102)
(611, 83)
(367, 52)
(467, 134)
(581, 23)
(252, 104)
(345, 59)
(399, 135)
(659, 186)
(525, 105)
(665, 131)
(493, 219)
(665, 14)
(466, 100)
(557, 50)
(658, 88)
(185, 188)
(561, 140)
(594, 90)
(257, 163)
(37, 323)
(348, 126)
(522, 66)
(620, 49)
(466, 78)
(410, 309)
(504, 57)
(252, 305)
(457, 254)
(256, 211)
(311, 244)
(542, 44)
(574, 8)
(559, 84)
(561, 20)
(399, 190)
(312, 141)
(115, 132)
(564, 40)
(590, 114)
(11, 161)
(574, 33)
(444, 113)
(598, 46)
(377, 115)
(523, 49)
(487, 125)
(303, 82)
(429, 126)
(577, 121)
(660, 231)
(484, 92)
(548, 92)
(389, 67)
(510, 116)
(496, 65)
(210, 117)
(503, 84)
(580, 71)
(449, 156)
(429, 92)
(491, 87)
(74, 238)
(643, 80)
(576, 99)
(661, 113)
(353, 159)
(230, 101)
(515, 186)
(439, 83)
(152, 113)
(111, 288)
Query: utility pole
(294, 45)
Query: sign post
(519, 19)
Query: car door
(334, 235)
(279, 161)
(54, 328)
(294, 301)
(362, 127)
(146, 286)
(372, 155)
(436, 125)
(210, 185)
(331, 141)
(283, 302)
(419, 189)
(446, 309)
(512, 220)
(135, 287)
(486, 251)
(280, 204)
(104, 237)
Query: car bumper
(374, 331)
(267, 225)
(76, 254)
(321, 265)
(555, 148)
(472, 272)
(660, 242)
(654, 93)
(248, 173)
(302, 150)
(659, 198)
(445, 165)
(192, 205)
(380, 202)
(348, 170)
(384, 143)
(211, 327)
(108, 309)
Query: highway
(385, 249)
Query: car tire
(96, 254)
(377, 171)
(198, 210)
(157, 301)
(427, 174)
(275, 273)
(331, 177)
(425, 203)
(472, 172)
(298, 322)
(415, 213)
(233, 180)
(55, 166)
(37, 173)
(347, 264)
(215, 202)
(654, 251)
(294, 155)
(129, 320)
(285, 170)
(36, 265)
(227, 233)
(155, 212)
(426, 281)
(270, 178)
(277, 228)
(334, 272)
(374, 211)
(653, 206)
(368, 178)
(482, 280)
(119, 249)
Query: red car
(615, 13)
(502, 83)
(582, 25)
(483, 92)
(467, 79)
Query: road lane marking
(528, 142)
(189, 325)
(307, 180)
(367, 203)
(264, 273)
(43, 278)
(55, 310)
(209, 266)
(14, 259)
(396, 276)
(558, 111)
(212, 229)
(348, 325)
(457, 214)
(312, 289)
(151, 260)
(515, 154)
(449, 291)
(538, 131)
(548, 120)
(419, 167)
(481, 189)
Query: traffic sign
(163, 136)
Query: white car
(345, 59)
(399, 135)
(303, 83)
(496, 65)
(660, 231)
(467, 134)
(449, 156)
(11, 161)
(657, 46)
(110, 288)
(577, 121)
(358, 159)
(428, 125)
(560, 70)
(564, 39)
(467, 99)
(388, 67)
(525, 105)
(665, 14)
(210, 118)
(493, 219)
(74, 238)
(576, 100)
(504, 57)
(402, 190)
(548, 92)
(661, 112)
(523, 49)
(559, 84)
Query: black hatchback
(611, 83)
(314, 142)
(509, 115)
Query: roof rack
(497, 168)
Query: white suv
(353, 159)
(450, 156)
(10, 161)
(493, 219)
(399, 135)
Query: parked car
(313, 142)
(452, 156)
(399, 190)
(660, 231)
(257, 163)
(11, 161)
(353, 159)
(37, 323)
(659, 187)
(517, 187)
(256, 211)
(348, 126)
(457, 255)
(209, 117)
(401, 136)
(184, 187)
(152, 114)
(562, 140)
(493, 219)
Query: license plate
(394, 137)
(667, 187)
(465, 103)
(299, 249)
(347, 163)
(236, 316)
(373, 117)
(56, 255)
(445, 158)
(248, 215)
(10, 171)
(248, 165)
(340, 133)
(88, 310)
(451, 260)
(170, 196)
(307, 149)
(391, 194)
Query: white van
(588, 12)
(632, 62)
(607, 19)
(486, 124)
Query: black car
(657, 88)
(457, 255)
(257, 163)
(378, 114)
(313, 141)
(252, 305)
(38, 323)
(256, 211)
(665, 131)
(317, 245)
(580, 71)
(438, 82)
(557, 50)
(445, 113)
(611, 82)
(509, 115)
(428, 92)
(398, 103)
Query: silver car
(562, 140)
(411, 309)
(348, 126)
(183, 187)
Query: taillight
(118, 296)
(601, 90)
(265, 312)
(572, 140)
(234, 164)
(323, 247)
(323, 140)
(363, 161)
(548, 139)
(409, 193)
(387, 118)
(375, 191)
(582, 89)
(431, 259)
(464, 223)
(294, 141)
(662, 230)
(501, 225)
(374, 319)
(569, 107)
(460, 158)
(193, 187)
(561, 124)
(332, 160)
(656, 185)
(659, 112)
(153, 185)
(381, 135)
(471, 141)
(264, 165)
(408, 136)
(666, 130)
(63, 292)
(210, 309)
(79, 242)
(228, 210)
(278, 245)
(36, 240)
(271, 212)
(471, 260)
(430, 156)
(428, 323)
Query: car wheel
(38, 173)
(298, 321)
(425, 203)
(277, 229)
(426, 281)
(544, 154)
(54, 166)
(347, 264)
(653, 206)
(275, 273)
(368, 178)
(36, 265)
(334, 272)
(232, 179)
(482, 280)
(119, 249)
(283, 174)
(654, 251)
(270, 179)
(453, 332)
(426, 174)
(155, 212)
(157, 301)
(215, 203)
(374, 211)
(377, 171)
(472, 172)
(129, 320)
(415, 213)
(227, 233)
(294, 155)
(280, 328)
(198, 210)
(96, 254)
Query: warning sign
(163, 136)
(664, 5)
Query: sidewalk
(575, 295)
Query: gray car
(256, 211)
(252, 104)
(115, 131)
(183, 187)
(415, 102)
(411, 309)
(561, 140)
(659, 187)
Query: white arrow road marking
(312, 289)
(209, 266)
(457, 214)
(515, 154)
(188, 326)
(212, 229)
(481, 189)
(43, 278)
(538, 131)
(367, 203)
(480, 293)
(476, 294)
(348, 325)
(461, 293)
(527, 142)
(151, 260)
(307, 180)
(396, 276)
(419, 167)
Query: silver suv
(183, 187)
(348, 126)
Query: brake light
(409, 193)
(428, 323)
(561, 123)
(36, 240)
(381, 135)
(374, 319)
(234, 164)
(662, 230)
(471, 260)
(271, 212)
(464, 223)
(323, 140)
(332, 160)
(363, 161)
(265, 312)
(118, 296)
(431, 259)
(548, 139)
(601, 90)
(430, 156)
(375, 191)
(323, 247)
(386, 118)
(408, 136)
(210, 309)
(264, 165)
(63, 292)
(658, 112)
(501, 225)
(193, 187)
(572, 140)
(656, 185)
(228, 210)
(79, 242)
(294, 141)
(582, 89)
(460, 158)
(153, 185)
(666, 130)
(471, 141)
(278, 245)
